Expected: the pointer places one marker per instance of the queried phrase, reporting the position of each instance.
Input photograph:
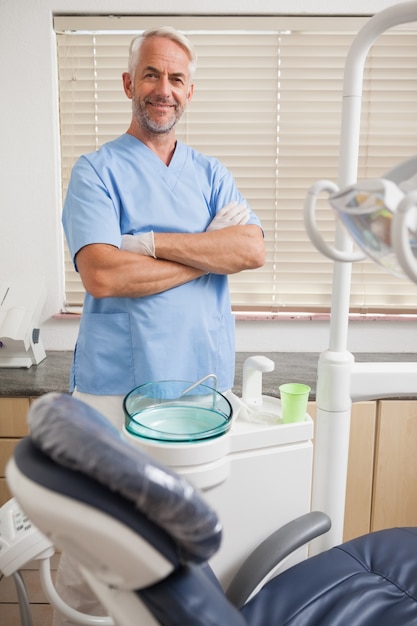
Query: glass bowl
(176, 411)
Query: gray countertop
(52, 374)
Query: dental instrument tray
(176, 411)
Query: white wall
(30, 241)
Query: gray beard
(149, 123)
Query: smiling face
(161, 87)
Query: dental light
(379, 215)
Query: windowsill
(294, 316)
(305, 317)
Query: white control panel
(20, 540)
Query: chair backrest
(128, 520)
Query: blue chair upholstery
(73, 453)
(369, 581)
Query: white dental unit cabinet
(269, 484)
(257, 476)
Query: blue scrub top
(183, 333)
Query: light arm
(107, 271)
(225, 251)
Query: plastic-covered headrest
(77, 436)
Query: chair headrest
(78, 437)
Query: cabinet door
(358, 504)
(360, 468)
(395, 486)
(13, 412)
(13, 426)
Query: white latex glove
(141, 244)
(233, 214)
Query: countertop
(52, 374)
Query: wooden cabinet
(381, 490)
(13, 426)
(360, 470)
(394, 501)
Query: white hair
(168, 32)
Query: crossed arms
(107, 271)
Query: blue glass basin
(166, 411)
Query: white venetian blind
(267, 103)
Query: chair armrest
(265, 558)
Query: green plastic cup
(294, 398)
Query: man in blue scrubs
(161, 311)
(154, 228)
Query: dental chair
(142, 537)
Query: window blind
(267, 103)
